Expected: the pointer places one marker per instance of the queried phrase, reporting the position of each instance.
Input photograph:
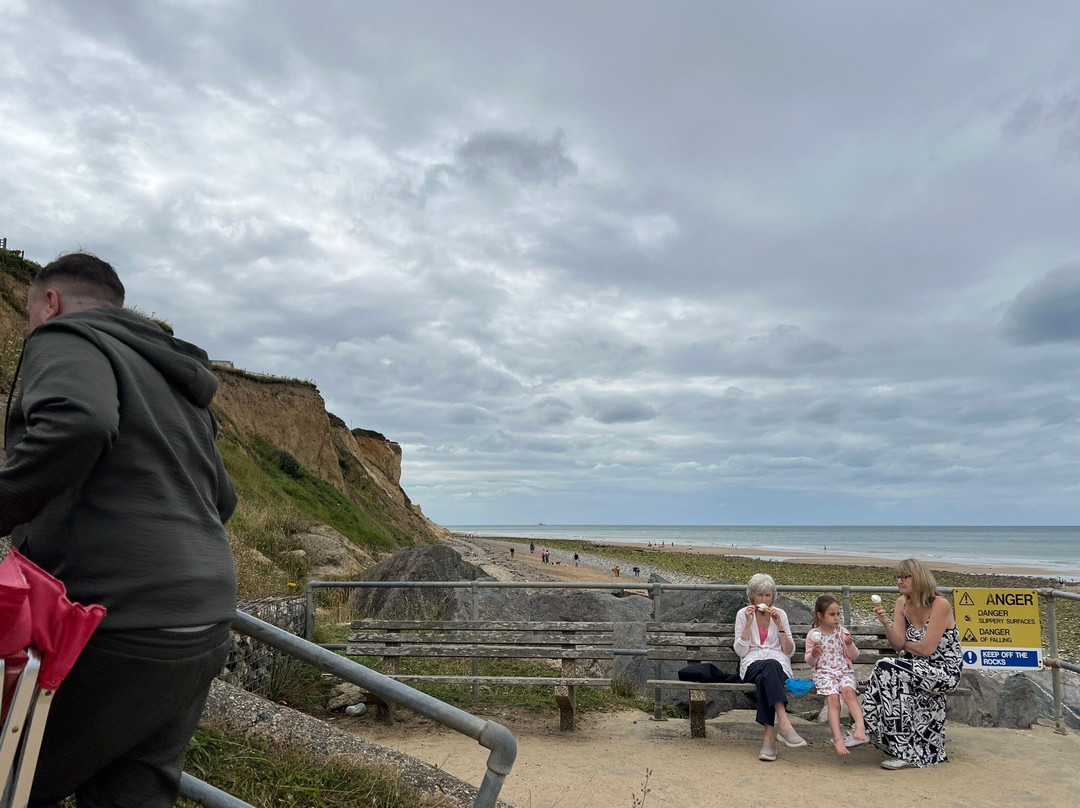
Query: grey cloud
(621, 410)
(521, 155)
(822, 412)
(469, 414)
(551, 411)
(1046, 310)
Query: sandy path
(603, 764)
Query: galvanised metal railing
(1051, 659)
(490, 734)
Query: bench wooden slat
(717, 629)
(483, 638)
(867, 656)
(476, 651)
(676, 684)
(483, 625)
(502, 680)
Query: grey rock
(1021, 703)
(1027, 697)
(493, 604)
(428, 563)
(343, 695)
(688, 606)
(588, 606)
(979, 708)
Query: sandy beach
(809, 557)
(604, 763)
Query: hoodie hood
(185, 366)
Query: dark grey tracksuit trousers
(122, 719)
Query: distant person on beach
(114, 484)
(764, 643)
(532, 547)
(575, 559)
(511, 553)
(905, 697)
(830, 651)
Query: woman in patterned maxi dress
(904, 705)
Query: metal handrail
(490, 734)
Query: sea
(1055, 550)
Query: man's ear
(54, 304)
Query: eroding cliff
(289, 413)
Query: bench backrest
(482, 638)
(714, 642)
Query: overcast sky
(598, 262)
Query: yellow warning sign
(998, 618)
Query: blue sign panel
(995, 658)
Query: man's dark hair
(86, 274)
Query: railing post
(475, 662)
(658, 668)
(846, 590)
(309, 616)
(1055, 670)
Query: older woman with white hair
(764, 643)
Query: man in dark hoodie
(113, 483)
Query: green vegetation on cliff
(278, 498)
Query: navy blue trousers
(769, 676)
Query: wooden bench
(571, 643)
(690, 643)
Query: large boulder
(492, 604)
(1014, 702)
(1021, 703)
(696, 606)
(426, 563)
(589, 605)
(979, 707)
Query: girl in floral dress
(830, 651)
(905, 697)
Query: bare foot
(841, 749)
(859, 736)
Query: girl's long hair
(820, 605)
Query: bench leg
(698, 699)
(384, 710)
(566, 696)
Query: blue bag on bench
(799, 687)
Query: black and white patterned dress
(904, 705)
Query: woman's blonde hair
(923, 584)
(761, 583)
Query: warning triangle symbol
(966, 600)
(969, 636)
